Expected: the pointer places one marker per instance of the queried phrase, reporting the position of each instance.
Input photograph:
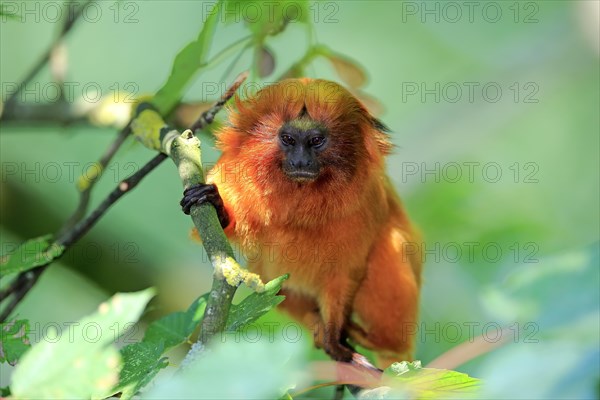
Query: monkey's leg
(335, 308)
(387, 302)
(199, 194)
(304, 309)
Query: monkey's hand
(202, 193)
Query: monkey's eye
(317, 141)
(287, 140)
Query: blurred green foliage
(77, 365)
(495, 118)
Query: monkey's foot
(339, 352)
(202, 193)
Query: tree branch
(74, 229)
(25, 281)
(88, 179)
(184, 150)
(122, 188)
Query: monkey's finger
(192, 201)
(200, 189)
(187, 204)
(196, 193)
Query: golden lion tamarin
(302, 173)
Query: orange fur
(341, 237)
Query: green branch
(184, 150)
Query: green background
(541, 212)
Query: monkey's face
(302, 141)
(310, 132)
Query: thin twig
(22, 284)
(69, 23)
(85, 184)
(208, 116)
(339, 392)
(26, 280)
(124, 186)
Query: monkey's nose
(300, 163)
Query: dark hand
(202, 193)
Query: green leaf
(33, 253)
(5, 391)
(81, 363)
(347, 69)
(14, 341)
(431, 383)
(187, 63)
(143, 360)
(237, 370)
(141, 363)
(556, 305)
(286, 396)
(256, 305)
(176, 328)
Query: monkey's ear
(380, 126)
(381, 136)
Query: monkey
(301, 182)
